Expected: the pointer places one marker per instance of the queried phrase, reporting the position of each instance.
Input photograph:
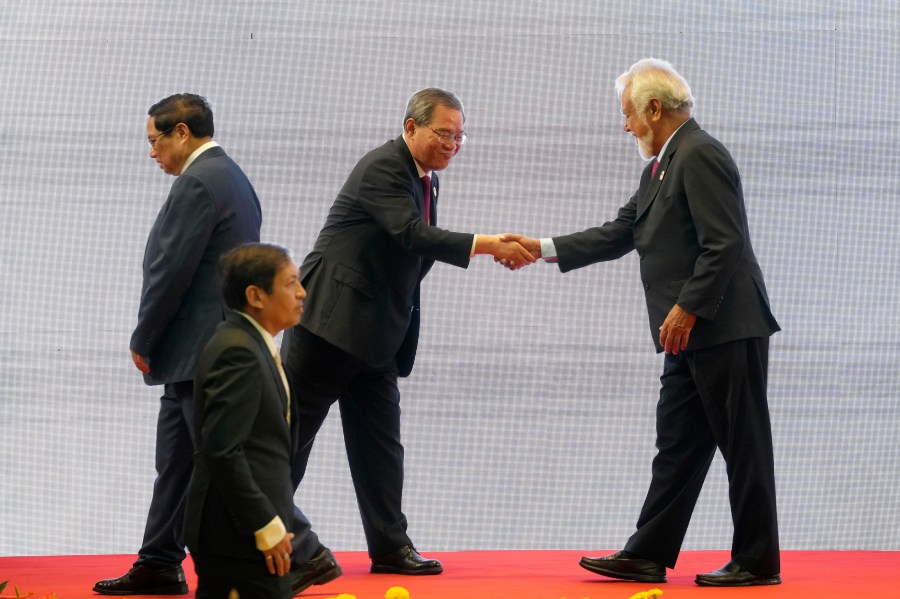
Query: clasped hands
(515, 251)
(511, 250)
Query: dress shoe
(141, 580)
(625, 566)
(733, 574)
(405, 560)
(322, 567)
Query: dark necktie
(655, 166)
(426, 204)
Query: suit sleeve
(714, 200)
(184, 231)
(232, 396)
(609, 241)
(385, 194)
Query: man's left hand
(278, 558)
(140, 362)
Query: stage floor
(507, 575)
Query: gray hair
(655, 78)
(420, 107)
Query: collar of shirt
(197, 152)
(419, 168)
(662, 152)
(267, 337)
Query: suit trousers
(369, 403)
(713, 398)
(163, 545)
(218, 577)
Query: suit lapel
(418, 192)
(273, 370)
(267, 357)
(651, 188)
(655, 183)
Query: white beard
(645, 146)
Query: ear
(409, 127)
(254, 296)
(654, 107)
(183, 131)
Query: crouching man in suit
(240, 499)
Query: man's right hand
(507, 252)
(532, 245)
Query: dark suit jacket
(211, 208)
(362, 276)
(242, 464)
(689, 227)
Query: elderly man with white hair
(709, 312)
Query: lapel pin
(661, 175)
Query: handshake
(511, 250)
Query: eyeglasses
(446, 139)
(152, 140)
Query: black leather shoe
(322, 567)
(405, 560)
(733, 574)
(141, 580)
(625, 566)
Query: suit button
(646, 286)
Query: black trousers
(713, 398)
(163, 545)
(218, 577)
(369, 402)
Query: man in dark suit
(362, 322)
(211, 208)
(240, 500)
(709, 311)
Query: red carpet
(508, 575)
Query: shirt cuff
(474, 241)
(271, 534)
(548, 250)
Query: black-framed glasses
(445, 138)
(152, 140)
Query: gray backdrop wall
(528, 422)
